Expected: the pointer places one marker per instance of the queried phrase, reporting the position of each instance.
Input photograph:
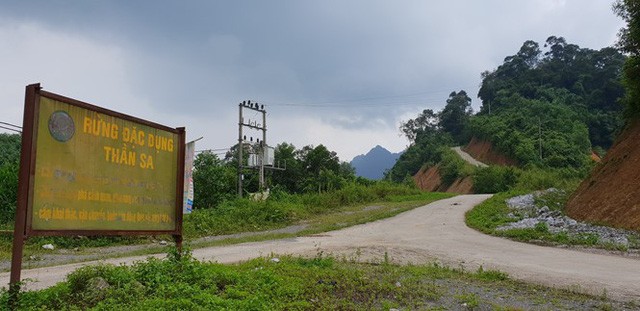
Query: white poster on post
(189, 156)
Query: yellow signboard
(96, 171)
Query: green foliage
(536, 132)
(239, 215)
(310, 169)
(9, 166)
(491, 213)
(541, 179)
(426, 122)
(451, 166)
(281, 208)
(585, 81)
(214, 181)
(545, 108)
(490, 275)
(494, 213)
(8, 191)
(10, 148)
(629, 42)
(455, 115)
(425, 151)
(494, 179)
(289, 179)
(291, 283)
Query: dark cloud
(350, 64)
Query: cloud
(65, 63)
(345, 68)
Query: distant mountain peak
(373, 164)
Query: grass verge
(494, 212)
(292, 283)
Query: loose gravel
(527, 214)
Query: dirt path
(467, 157)
(433, 232)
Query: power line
(367, 100)
(209, 150)
(11, 127)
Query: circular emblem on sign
(61, 126)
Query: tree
(586, 81)
(288, 179)
(214, 181)
(629, 42)
(425, 151)
(9, 165)
(10, 145)
(316, 159)
(427, 121)
(455, 115)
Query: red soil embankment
(611, 195)
(428, 179)
(484, 151)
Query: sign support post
(24, 175)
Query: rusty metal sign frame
(26, 175)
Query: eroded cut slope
(611, 195)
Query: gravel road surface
(435, 232)
(467, 157)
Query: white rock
(48, 246)
(275, 259)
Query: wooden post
(24, 175)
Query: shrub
(8, 191)
(540, 179)
(494, 179)
(451, 166)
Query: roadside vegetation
(493, 215)
(291, 283)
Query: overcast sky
(339, 73)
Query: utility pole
(262, 145)
(263, 148)
(240, 147)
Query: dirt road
(433, 232)
(467, 157)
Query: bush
(281, 208)
(8, 191)
(240, 215)
(451, 166)
(213, 181)
(541, 179)
(494, 179)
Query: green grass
(491, 213)
(291, 283)
(494, 212)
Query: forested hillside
(546, 107)
(566, 97)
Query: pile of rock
(527, 214)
